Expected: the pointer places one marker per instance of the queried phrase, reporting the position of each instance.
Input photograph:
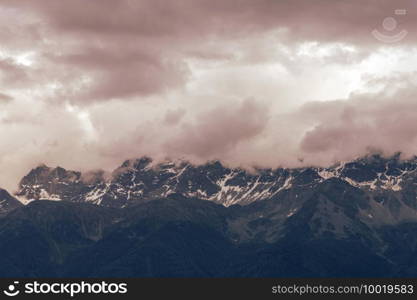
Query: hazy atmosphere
(88, 84)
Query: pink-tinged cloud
(11, 74)
(219, 131)
(122, 49)
(364, 124)
(87, 84)
(5, 98)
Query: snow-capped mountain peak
(141, 180)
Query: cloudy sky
(87, 84)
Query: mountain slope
(180, 220)
(37, 238)
(7, 202)
(183, 237)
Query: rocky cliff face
(141, 180)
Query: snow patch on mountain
(143, 180)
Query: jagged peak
(44, 168)
(137, 163)
(41, 166)
(43, 173)
(145, 178)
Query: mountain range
(176, 219)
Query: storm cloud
(87, 84)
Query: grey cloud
(215, 133)
(174, 117)
(122, 74)
(137, 48)
(184, 66)
(365, 123)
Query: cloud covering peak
(87, 84)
